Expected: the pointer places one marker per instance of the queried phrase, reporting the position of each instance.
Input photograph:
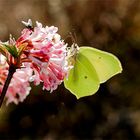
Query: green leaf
(12, 50)
(3, 50)
(105, 64)
(21, 48)
(82, 80)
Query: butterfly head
(72, 53)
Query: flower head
(38, 55)
(46, 53)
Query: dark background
(113, 113)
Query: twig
(12, 70)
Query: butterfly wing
(82, 79)
(105, 64)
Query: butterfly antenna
(73, 37)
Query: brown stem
(12, 70)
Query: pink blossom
(46, 53)
(41, 56)
(19, 86)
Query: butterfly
(91, 67)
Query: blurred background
(113, 113)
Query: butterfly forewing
(105, 64)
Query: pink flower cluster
(43, 59)
(19, 86)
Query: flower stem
(12, 70)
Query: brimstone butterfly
(90, 68)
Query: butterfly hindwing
(82, 79)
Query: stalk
(12, 70)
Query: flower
(46, 54)
(19, 86)
(38, 55)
